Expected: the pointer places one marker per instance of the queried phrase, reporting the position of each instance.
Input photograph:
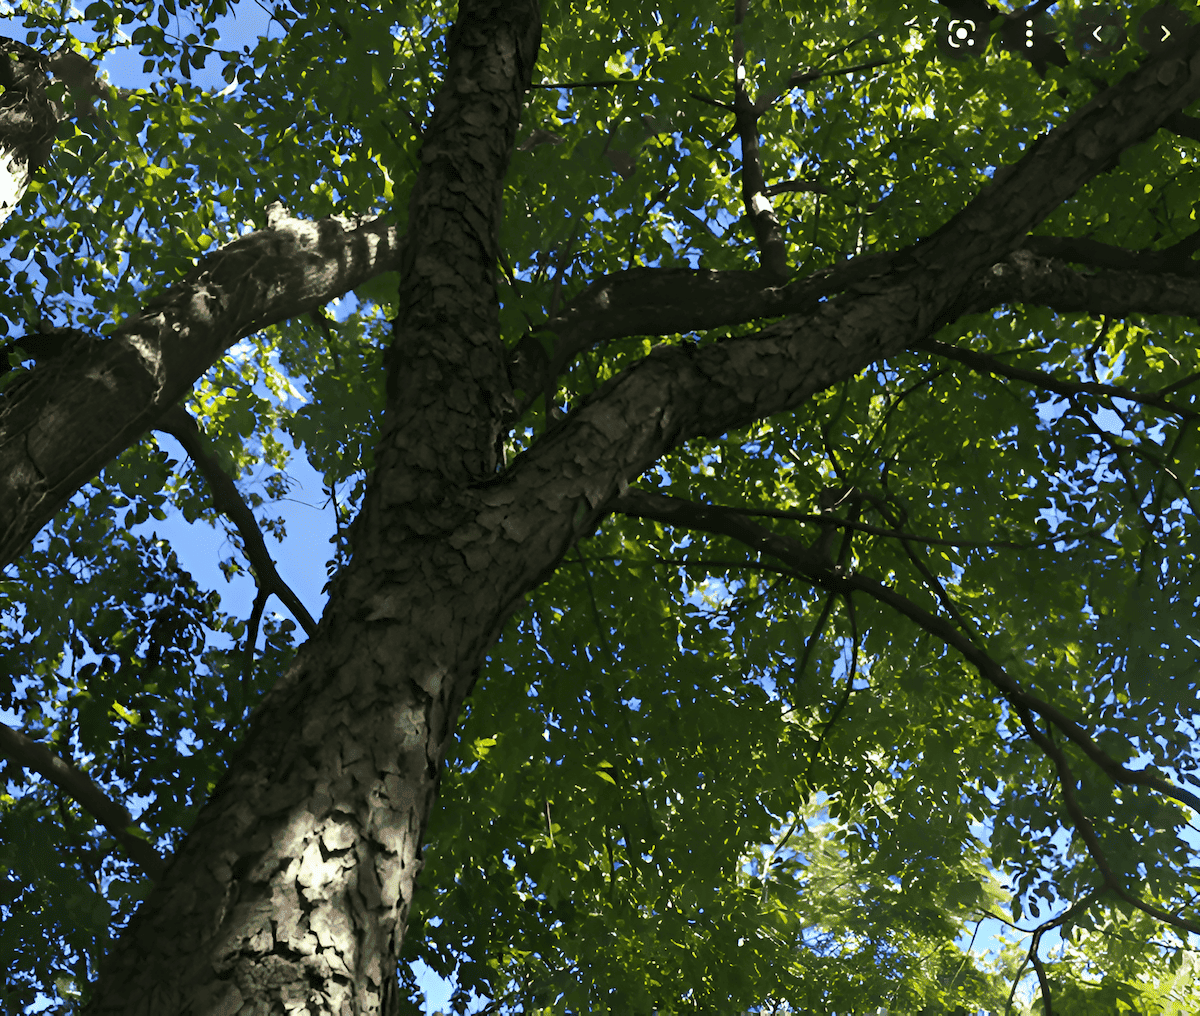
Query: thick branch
(36, 757)
(178, 422)
(1023, 277)
(61, 423)
(653, 301)
(41, 346)
(1173, 260)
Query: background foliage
(686, 781)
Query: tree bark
(63, 421)
(292, 891)
(28, 120)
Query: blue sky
(307, 514)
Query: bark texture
(28, 120)
(64, 420)
(291, 892)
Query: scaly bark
(28, 120)
(292, 890)
(62, 422)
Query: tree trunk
(292, 891)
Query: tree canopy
(762, 438)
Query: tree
(924, 403)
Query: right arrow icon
(1157, 28)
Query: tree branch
(986, 364)
(60, 423)
(1174, 260)
(29, 120)
(799, 78)
(896, 534)
(768, 234)
(1087, 831)
(31, 755)
(667, 301)
(813, 567)
(803, 186)
(226, 498)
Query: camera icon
(961, 38)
